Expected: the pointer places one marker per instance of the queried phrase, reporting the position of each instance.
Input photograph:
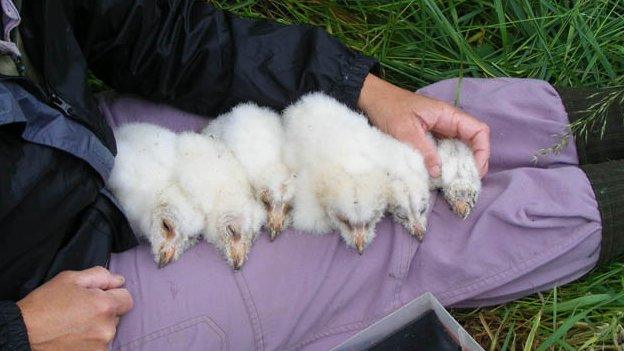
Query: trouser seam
(252, 310)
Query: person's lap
(535, 226)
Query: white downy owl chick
(256, 137)
(142, 180)
(340, 183)
(459, 179)
(409, 185)
(208, 170)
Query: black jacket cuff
(354, 71)
(13, 334)
(606, 179)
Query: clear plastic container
(388, 328)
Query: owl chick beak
(166, 255)
(417, 230)
(461, 208)
(238, 254)
(276, 218)
(359, 237)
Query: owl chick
(208, 171)
(256, 137)
(459, 180)
(409, 185)
(143, 181)
(340, 184)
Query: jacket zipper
(19, 64)
(60, 104)
(46, 94)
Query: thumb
(99, 278)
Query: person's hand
(76, 310)
(407, 116)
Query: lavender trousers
(536, 225)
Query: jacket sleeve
(13, 335)
(188, 53)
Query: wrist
(369, 87)
(380, 100)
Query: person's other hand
(76, 310)
(407, 116)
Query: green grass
(568, 43)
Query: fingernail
(120, 278)
(435, 171)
